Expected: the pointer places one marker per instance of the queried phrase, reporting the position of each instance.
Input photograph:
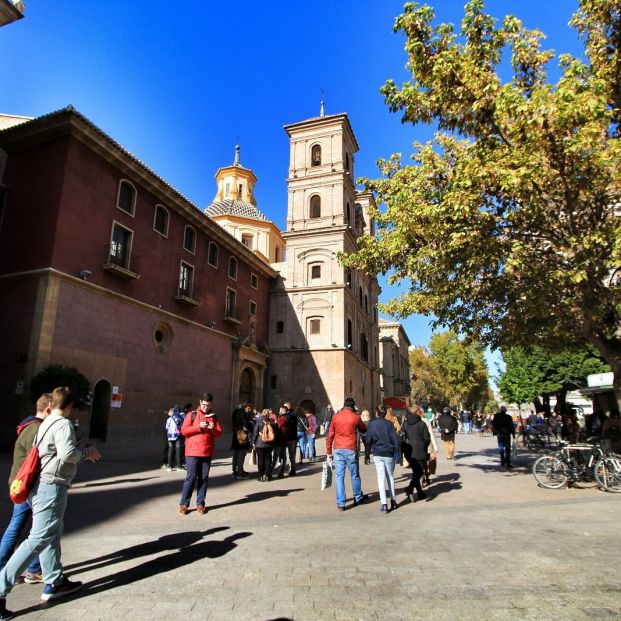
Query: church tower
(323, 319)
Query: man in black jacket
(448, 426)
(504, 430)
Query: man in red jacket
(200, 428)
(342, 444)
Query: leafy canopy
(505, 225)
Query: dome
(240, 209)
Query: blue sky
(179, 84)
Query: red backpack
(24, 480)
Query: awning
(396, 403)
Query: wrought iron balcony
(188, 293)
(122, 263)
(231, 313)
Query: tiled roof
(235, 208)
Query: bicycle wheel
(550, 471)
(607, 473)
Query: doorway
(246, 386)
(100, 410)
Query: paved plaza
(487, 544)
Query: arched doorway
(100, 410)
(246, 386)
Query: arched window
(189, 239)
(316, 155)
(366, 303)
(212, 254)
(160, 221)
(126, 199)
(348, 214)
(348, 278)
(315, 206)
(233, 268)
(347, 162)
(360, 295)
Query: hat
(446, 410)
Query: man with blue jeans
(26, 432)
(342, 444)
(59, 455)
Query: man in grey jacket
(59, 455)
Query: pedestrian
(173, 435)
(555, 425)
(466, 419)
(504, 430)
(328, 419)
(26, 432)
(432, 454)
(311, 430)
(448, 426)
(382, 441)
(201, 428)
(292, 436)
(415, 450)
(263, 441)
(279, 455)
(59, 455)
(342, 444)
(391, 418)
(302, 427)
(240, 439)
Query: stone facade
(394, 346)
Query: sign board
(600, 379)
(117, 400)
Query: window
(315, 271)
(350, 333)
(364, 347)
(347, 161)
(160, 221)
(233, 268)
(315, 207)
(280, 327)
(348, 278)
(126, 199)
(366, 304)
(120, 245)
(240, 190)
(247, 241)
(316, 155)
(212, 254)
(277, 255)
(254, 281)
(315, 326)
(189, 239)
(227, 190)
(360, 295)
(252, 308)
(273, 380)
(348, 214)
(230, 309)
(186, 280)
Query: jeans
(19, 519)
(326, 428)
(385, 466)
(291, 447)
(174, 448)
(264, 462)
(49, 502)
(280, 455)
(197, 473)
(302, 444)
(346, 458)
(504, 448)
(311, 453)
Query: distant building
(11, 11)
(394, 360)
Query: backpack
(267, 433)
(24, 480)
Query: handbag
(242, 436)
(326, 475)
(433, 464)
(254, 456)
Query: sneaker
(4, 613)
(33, 577)
(384, 508)
(183, 509)
(168, 469)
(362, 500)
(393, 505)
(340, 507)
(63, 588)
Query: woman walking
(415, 450)
(382, 441)
(263, 440)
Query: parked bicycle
(576, 463)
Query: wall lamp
(84, 274)
(211, 324)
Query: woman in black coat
(417, 439)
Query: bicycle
(579, 462)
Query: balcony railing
(231, 313)
(188, 293)
(123, 264)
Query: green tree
(507, 224)
(425, 379)
(56, 375)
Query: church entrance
(247, 387)
(100, 409)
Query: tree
(507, 224)
(425, 381)
(56, 375)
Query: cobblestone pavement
(488, 544)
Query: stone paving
(488, 544)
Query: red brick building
(106, 267)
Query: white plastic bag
(326, 475)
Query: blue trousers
(197, 473)
(19, 520)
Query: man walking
(59, 455)
(26, 432)
(291, 431)
(448, 426)
(504, 430)
(240, 441)
(342, 443)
